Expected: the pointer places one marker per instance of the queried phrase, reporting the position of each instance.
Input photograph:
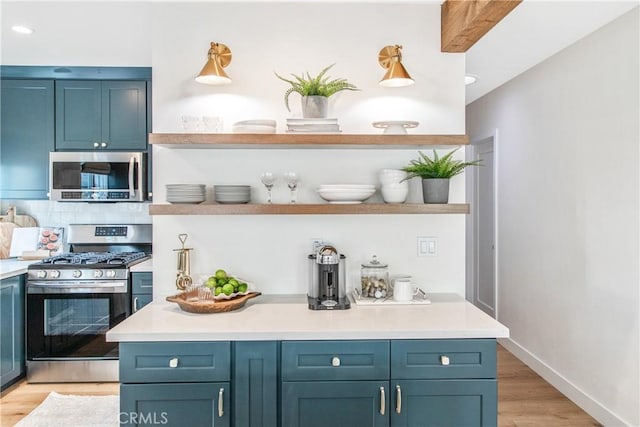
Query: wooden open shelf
(308, 209)
(292, 140)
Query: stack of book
(313, 125)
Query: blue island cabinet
(349, 383)
(175, 384)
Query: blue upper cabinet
(101, 115)
(27, 137)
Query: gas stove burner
(91, 258)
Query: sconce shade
(390, 57)
(219, 56)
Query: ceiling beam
(464, 22)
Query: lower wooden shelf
(308, 209)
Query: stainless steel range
(73, 299)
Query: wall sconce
(213, 71)
(390, 57)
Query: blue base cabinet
(335, 403)
(175, 405)
(12, 338)
(141, 290)
(355, 383)
(255, 384)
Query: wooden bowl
(186, 302)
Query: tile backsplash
(59, 214)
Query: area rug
(64, 410)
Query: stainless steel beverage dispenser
(327, 280)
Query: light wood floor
(524, 398)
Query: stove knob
(76, 273)
(41, 274)
(97, 274)
(54, 274)
(111, 273)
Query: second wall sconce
(212, 73)
(390, 57)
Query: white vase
(315, 107)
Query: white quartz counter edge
(278, 317)
(13, 267)
(143, 267)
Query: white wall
(569, 219)
(271, 250)
(265, 37)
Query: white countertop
(286, 317)
(143, 267)
(13, 267)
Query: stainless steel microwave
(97, 176)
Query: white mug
(404, 290)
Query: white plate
(355, 195)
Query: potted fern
(315, 91)
(435, 173)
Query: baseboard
(566, 387)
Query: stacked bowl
(393, 189)
(232, 194)
(346, 193)
(185, 193)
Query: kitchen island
(275, 362)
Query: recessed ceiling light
(470, 79)
(22, 29)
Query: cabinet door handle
(398, 399)
(221, 402)
(135, 304)
(335, 361)
(382, 401)
(103, 144)
(173, 362)
(96, 144)
(444, 360)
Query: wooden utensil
(6, 232)
(19, 220)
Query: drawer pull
(382, 401)
(335, 361)
(221, 402)
(173, 362)
(96, 144)
(444, 360)
(103, 144)
(398, 399)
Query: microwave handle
(132, 162)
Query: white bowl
(396, 186)
(347, 187)
(394, 195)
(346, 195)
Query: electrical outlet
(427, 246)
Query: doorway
(481, 248)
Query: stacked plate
(232, 193)
(255, 126)
(346, 193)
(185, 193)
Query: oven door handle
(83, 288)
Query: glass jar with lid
(374, 278)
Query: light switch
(427, 246)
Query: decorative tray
(189, 301)
(419, 298)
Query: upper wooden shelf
(308, 209)
(292, 140)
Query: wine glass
(292, 182)
(268, 179)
